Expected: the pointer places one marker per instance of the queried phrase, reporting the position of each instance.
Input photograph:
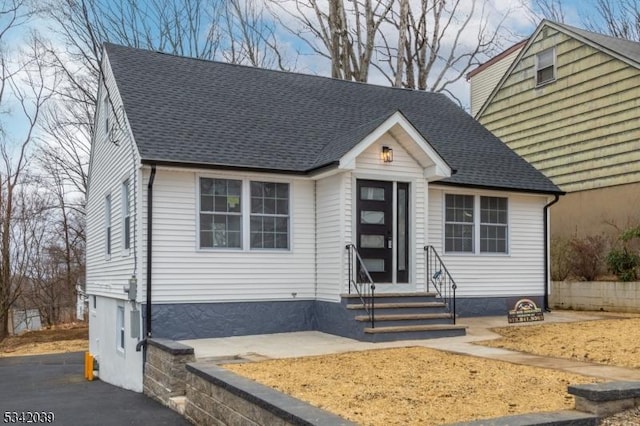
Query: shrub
(623, 264)
(587, 256)
(623, 261)
(560, 259)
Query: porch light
(387, 154)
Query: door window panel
(374, 265)
(372, 241)
(368, 217)
(371, 193)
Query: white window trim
(108, 226)
(245, 203)
(126, 212)
(476, 225)
(121, 333)
(93, 304)
(553, 67)
(250, 214)
(106, 113)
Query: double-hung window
(269, 215)
(106, 114)
(545, 66)
(107, 221)
(126, 215)
(493, 225)
(220, 213)
(120, 328)
(475, 224)
(459, 223)
(225, 217)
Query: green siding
(583, 129)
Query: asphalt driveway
(55, 383)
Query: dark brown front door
(375, 228)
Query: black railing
(360, 280)
(439, 277)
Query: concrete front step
(408, 319)
(393, 297)
(413, 332)
(403, 316)
(403, 308)
(399, 305)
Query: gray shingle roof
(626, 48)
(196, 112)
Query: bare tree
(236, 31)
(619, 18)
(344, 32)
(434, 43)
(56, 264)
(545, 9)
(249, 36)
(26, 83)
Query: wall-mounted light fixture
(386, 154)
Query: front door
(375, 228)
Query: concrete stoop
(403, 316)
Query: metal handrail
(443, 282)
(360, 281)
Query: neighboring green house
(569, 103)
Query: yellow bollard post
(88, 366)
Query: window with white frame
(220, 213)
(476, 224)
(493, 225)
(545, 66)
(120, 328)
(459, 223)
(224, 216)
(126, 215)
(106, 114)
(269, 215)
(107, 222)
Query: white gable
(409, 138)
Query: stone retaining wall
(216, 396)
(164, 371)
(612, 296)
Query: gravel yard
(422, 386)
(415, 386)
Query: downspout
(143, 343)
(152, 177)
(546, 251)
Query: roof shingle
(196, 112)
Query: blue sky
(519, 23)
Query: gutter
(149, 247)
(545, 219)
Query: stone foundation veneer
(164, 370)
(184, 321)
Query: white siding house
(240, 193)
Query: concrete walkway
(308, 343)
